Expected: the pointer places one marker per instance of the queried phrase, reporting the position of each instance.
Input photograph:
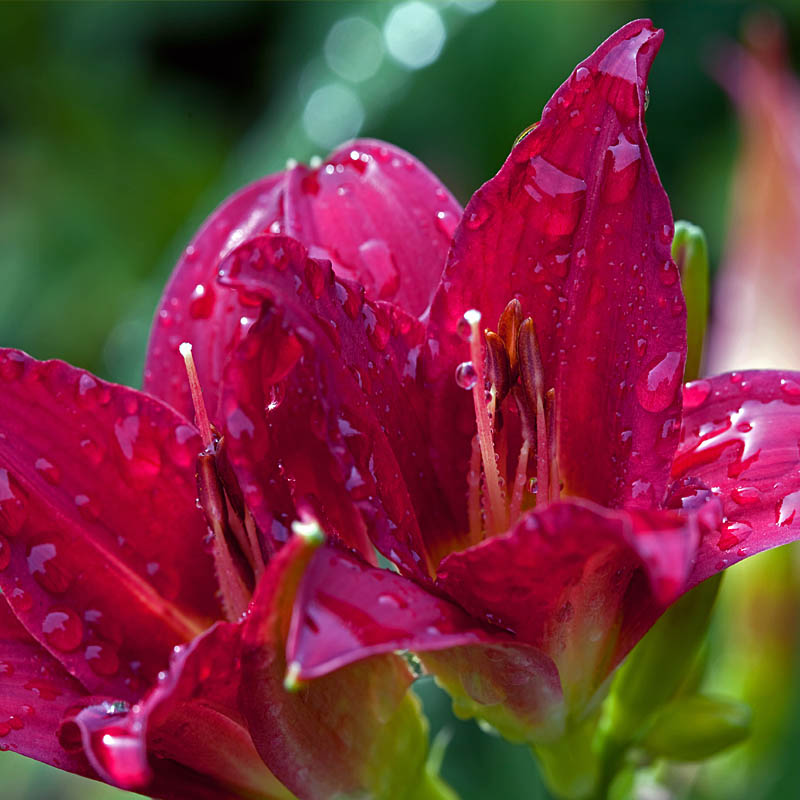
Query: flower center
(507, 364)
(237, 553)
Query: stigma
(514, 410)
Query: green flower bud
(690, 252)
(696, 728)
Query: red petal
(190, 723)
(319, 741)
(577, 226)
(101, 552)
(740, 436)
(568, 580)
(35, 691)
(194, 309)
(381, 217)
(345, 422)
(346, 611)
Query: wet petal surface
(577, 226)
(35, 691)
(375, 211)
(97, 514)
(741, 438)
(323, 410)
(186, 737)
(352, 732)
(578, 582)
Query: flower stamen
(201, 416)
(496, 503)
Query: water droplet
(447, 223)
(93, 451)
(582, 79)
(6, 669)
(377, 324)
(201, 301)
(88, 508)
(49, 472)
(623, 161)
(790, 387)
(142, 456)
(239, 424)
(181, 453)
(315, 277)
(466, 375)
(5, 552)
(732, 533)
(351, 298)
(47, 568)
(668, 274)
(392, 601)
(13, 507)
(21, 600)
(567, 193)
(788, 508)
(380, 266)
(478, 214)
(656, 387)
(746, 496)
(696, 393)
(12, 366)
(62, 629)
(103, 659)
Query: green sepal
(690, 253)
(694, 728)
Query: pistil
(235, 558)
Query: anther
(532, 379)
(508, 329)
(498, 368)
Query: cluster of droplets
(46, 574)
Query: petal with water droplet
(572, 225)
(191, 719)
(744, 440)
(348, 438)
(116, 536)
(366, 730)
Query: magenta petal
(194, 309)
(101, 546)
(577, 226)
(740, 436)
(380, 216)
(376, 212)
(570, 581)
(320, 739)
(189, 726)
(347, 610)
(345, 416)
(35, 691)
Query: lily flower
(520, 447)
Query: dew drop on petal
(13, 505)
(656, 388)
(62, 629)
(466, 375)
(696, 393)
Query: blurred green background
(123, 125)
